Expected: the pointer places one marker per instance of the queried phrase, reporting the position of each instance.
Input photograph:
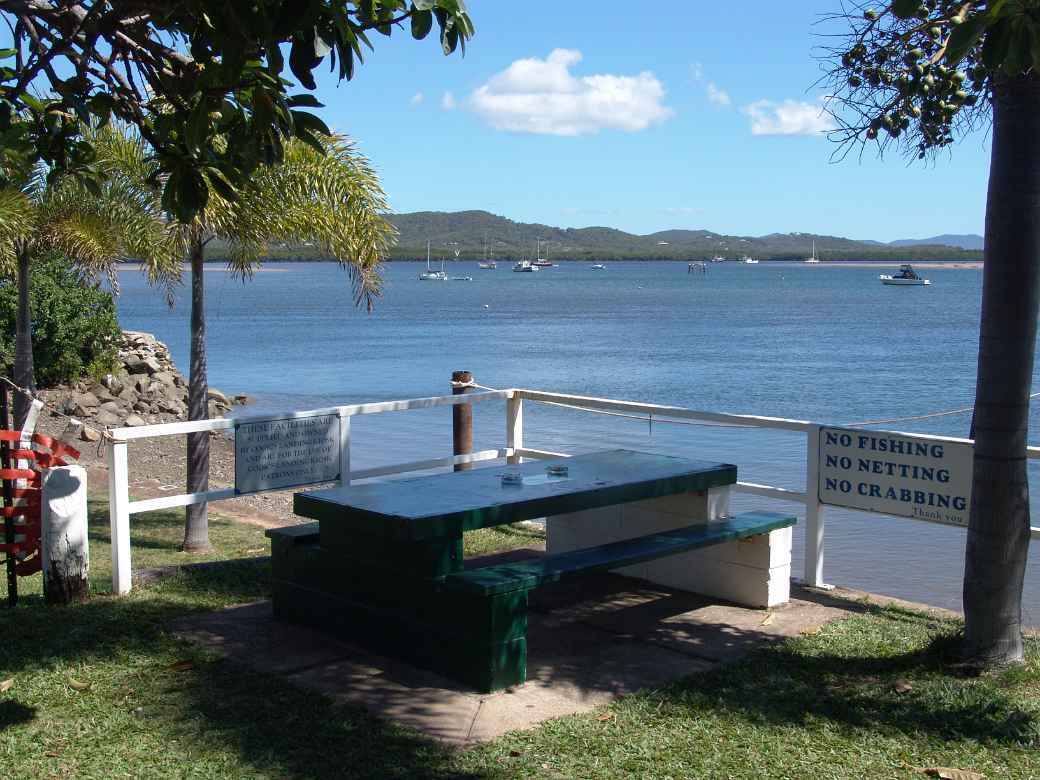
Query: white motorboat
(906, 277)
(749, 260)
(812, 259)
(524, 267)
(718, 259)
(429, 275)
(597, 267)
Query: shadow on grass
(270, 727)
(921, 691)
(14, 713)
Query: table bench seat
(528, 575)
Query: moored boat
(429, 275)
(811, 259)
(524, 267)
(541, 262)
(906, 277)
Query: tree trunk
(998, 531)
(196, 521)
(23, 350)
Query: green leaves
(905, 9)
(214, 70)
(422, 23)
(964, 37)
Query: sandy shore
(971, 265)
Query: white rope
(962, 410)
(104, 433)
(649, 415)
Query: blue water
(825, 344)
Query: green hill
(466, 231)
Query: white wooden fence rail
(121, 507)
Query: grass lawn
(103, 690)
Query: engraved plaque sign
(288, 452)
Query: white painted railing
(121, 507)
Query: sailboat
(541, 262)
(488, 263)
(812, 258)
(429, 275)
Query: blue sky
(663, 140)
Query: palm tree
(92, 227)
(330, 198)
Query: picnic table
(383, 565)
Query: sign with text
(287, 452)
(896, 474)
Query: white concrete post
(63, 541)
(119, 516)
(814, 510)
(514, 427)
(344, 449)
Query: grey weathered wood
(461, 419)
(63, 542)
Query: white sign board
(895, 474)
(286, 452)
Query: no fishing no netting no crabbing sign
(894, 474)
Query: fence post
(814, 511)
(64, 548)
(514, 426)
(461, 419)
(344, 449)
(119, 515)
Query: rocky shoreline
(147, 389)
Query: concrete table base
(589, 643)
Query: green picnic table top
(445, 505)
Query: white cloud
(448, 101)
(719, 97)
(791, 117)
(544, 97)
(417, 98)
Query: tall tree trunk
(24, 372)
(196, 521)
(998, 531)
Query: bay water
(829, 344)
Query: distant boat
(691, 267)
(488, 263)
(597, 267)
(541, 262)
(907, 276)
(749, 260)
(812, 258)
(524, 267)
(429, 275)
(718, 259)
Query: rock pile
(146, 389)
